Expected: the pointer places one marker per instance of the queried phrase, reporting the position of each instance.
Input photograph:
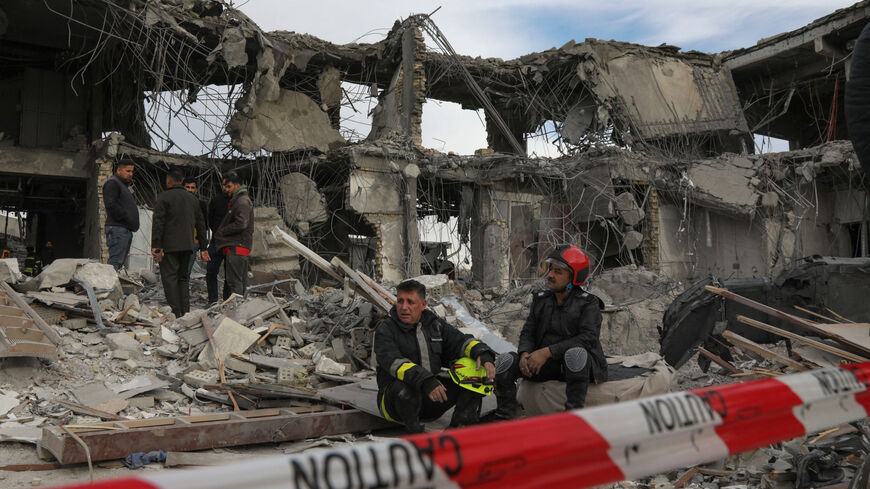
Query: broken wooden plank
(719, 360)
(750, 345)
(859, 349)
(796, 337)
(89, 411)
(218, 358)
(186, 437)
(331, 269)
(386, 294)
(370, 293)
(306, 252)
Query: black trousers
(176, 283)
(577, 380)
(402, 403)
(212, 270)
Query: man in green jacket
(176, 215)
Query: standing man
(190, 185)
(411, 346)
(235, 235)
(560, 339)
(177, 216)
(122, 216)
(217, 209)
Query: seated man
(560, 339)
(411, 346)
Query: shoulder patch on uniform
(541, 294)
(585, 294)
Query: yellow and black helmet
(466, 374)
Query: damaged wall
(293, 122)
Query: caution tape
(579, 449)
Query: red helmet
(573, 259)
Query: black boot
(408, 405)
(467, 409)
(506, 395)
(507, 372)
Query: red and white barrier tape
(583, 448)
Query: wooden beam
(804, 323)
(386, 294)
(796, 337)
(719, 360)
(201, 433)
(374, 297)
(752, 346)
(306, 252)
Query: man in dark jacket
(122, 216)
(411, 346)
(176, 216)
(560, 339)
(217, 209)
(235, 235)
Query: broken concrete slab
(9, 271)
(21, 433)
(59, 272)
(100, 275)
(329, 366)
(269, 254)
(628, 210)
(250, 310)
(8, 401)
(123, 341)
(93, 394)
(230, 337)
(724, 183)
(294, 122)
(303, 202)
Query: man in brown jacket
(235, 235)
(176, 215)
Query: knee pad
(576, 358)
(405, 393)
(503, 362)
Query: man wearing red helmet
(560, 339)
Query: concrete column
(412, 232)
(490, 244)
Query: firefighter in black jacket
(411, 346)
(560, 339)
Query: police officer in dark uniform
(560, 339)
(411, 346)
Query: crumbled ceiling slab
(303, 202)
(293, 122)
(726, 181)
(659, 96)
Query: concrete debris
(303, 202)
(8, 401)
(293, 122)
(658, 181)
(9, 271)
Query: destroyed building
(659, 169)
(659, 166)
